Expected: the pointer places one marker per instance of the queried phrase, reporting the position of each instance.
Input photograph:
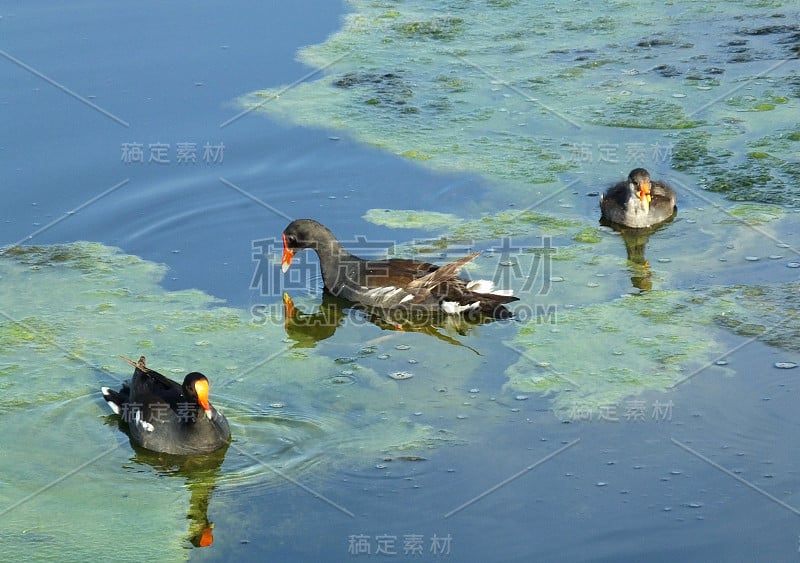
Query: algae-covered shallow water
(642, 403)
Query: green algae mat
(585, 339)
(528, 94)
(67, 311)
(552, 102)
(542, 101)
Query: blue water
(617, 490)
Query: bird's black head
(639, 177)
(304, 233)
(195, 389)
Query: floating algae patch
(763, 169)
(411, 219)
(441, 28)
(513, 223)
(601, 354)
(754, 213)
(588, 235)
(524, 92)
(67, 312)
(753, 103)
(768, 312)
(644, 113)
(500, 224)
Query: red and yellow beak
(201, 388)
(288, 254)
(644, 195)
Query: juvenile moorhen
(638, 202)
(165, 416)
(394, 284)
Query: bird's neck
(337, 263)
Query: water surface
(633, 410)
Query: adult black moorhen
(395, 284)
(165, 416)
(638, 202)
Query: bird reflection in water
(200, 474)
(306, 329)
(635, 243)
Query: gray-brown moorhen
(638, 202)
(397, 283)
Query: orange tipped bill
(644, 195)
(288, 254)
(201, 388)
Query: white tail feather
(114, 406)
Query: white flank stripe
(137, 419)
(481, 286)
(385, 293)
(487, 287)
